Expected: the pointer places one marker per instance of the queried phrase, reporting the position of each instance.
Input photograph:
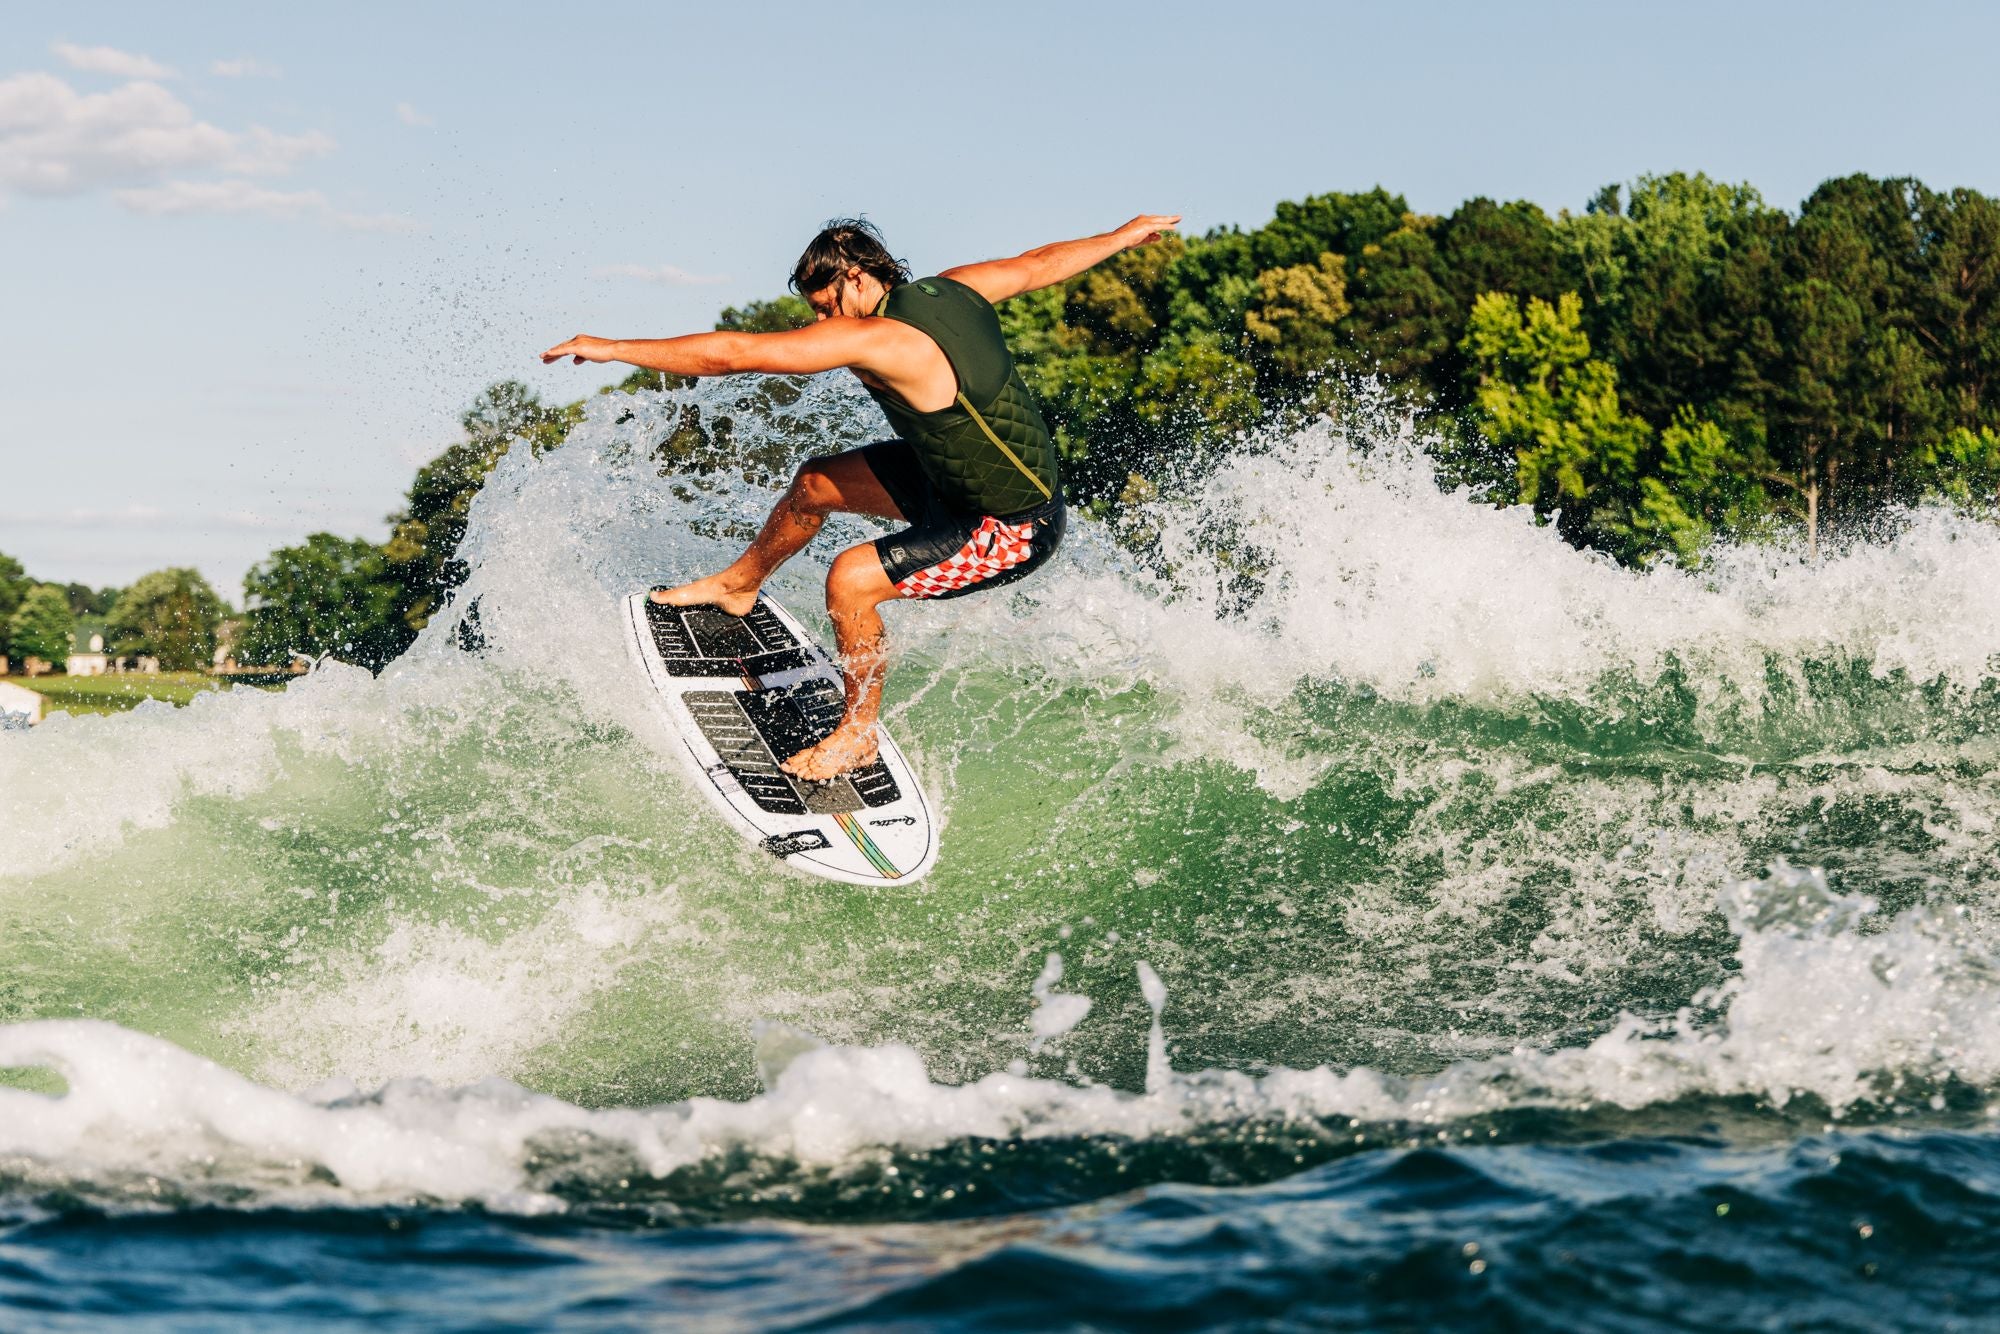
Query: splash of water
(1425, 814)
(1815, 1011)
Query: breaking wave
(1423, 827)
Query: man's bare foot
(848, 747)
(718, 590)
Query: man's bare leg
(855, 586)
(842, 483)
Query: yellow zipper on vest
(1001, 445)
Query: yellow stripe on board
(860, 838)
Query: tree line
(1679, 361)
(171, 616)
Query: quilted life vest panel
(971, 474)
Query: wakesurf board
(741, 694)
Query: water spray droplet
(1158, 1072)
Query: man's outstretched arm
(825, 346)
(1044, 266)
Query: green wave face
(1375, 778)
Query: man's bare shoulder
(908, 362)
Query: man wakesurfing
(972, 469)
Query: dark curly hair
(843, 244)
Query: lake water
(1473, 933)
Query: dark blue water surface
(1882, 1230)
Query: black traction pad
(708, 641)
(752, 730)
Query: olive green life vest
(990, 452)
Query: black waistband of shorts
(1048, 509)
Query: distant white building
(87, 656)
(19, 706)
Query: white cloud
(177, 197)
(57, 141)
(409, 115)
(263, 152)
(109, 60)
(246, 68)
(181, 198)
(669, 274)
(147, 148)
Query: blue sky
(255, 259)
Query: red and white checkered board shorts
(995, 547)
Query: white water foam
(1376, 576)
(439, 998)
(1817, 1009)
(1373, 576)
(1055, 1012)
(76, 784)
(1368, 572)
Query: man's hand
(583, 348)
(1145, 229)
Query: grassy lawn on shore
(116, 694)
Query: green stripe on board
(860, 838)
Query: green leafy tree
(1126, 303)
(1335, 223)
(1488, 247)
(170, 615)
(426, 532)
(1719, 361)
(1963, 467)
(329, 595)
(1854, 389)
(1747, 283)
(1104, 304)
(1194, 383)
(1814, 430)
(1543, 397)
(1696, 484)
(87, 601)
(41, 625)
(1956, 301)
(1212, 284)
(1403, 319)
(1653, 271)
(14, 586)
(774, 316)
(1291, 322)
(510, 411)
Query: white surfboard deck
(743, 693)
